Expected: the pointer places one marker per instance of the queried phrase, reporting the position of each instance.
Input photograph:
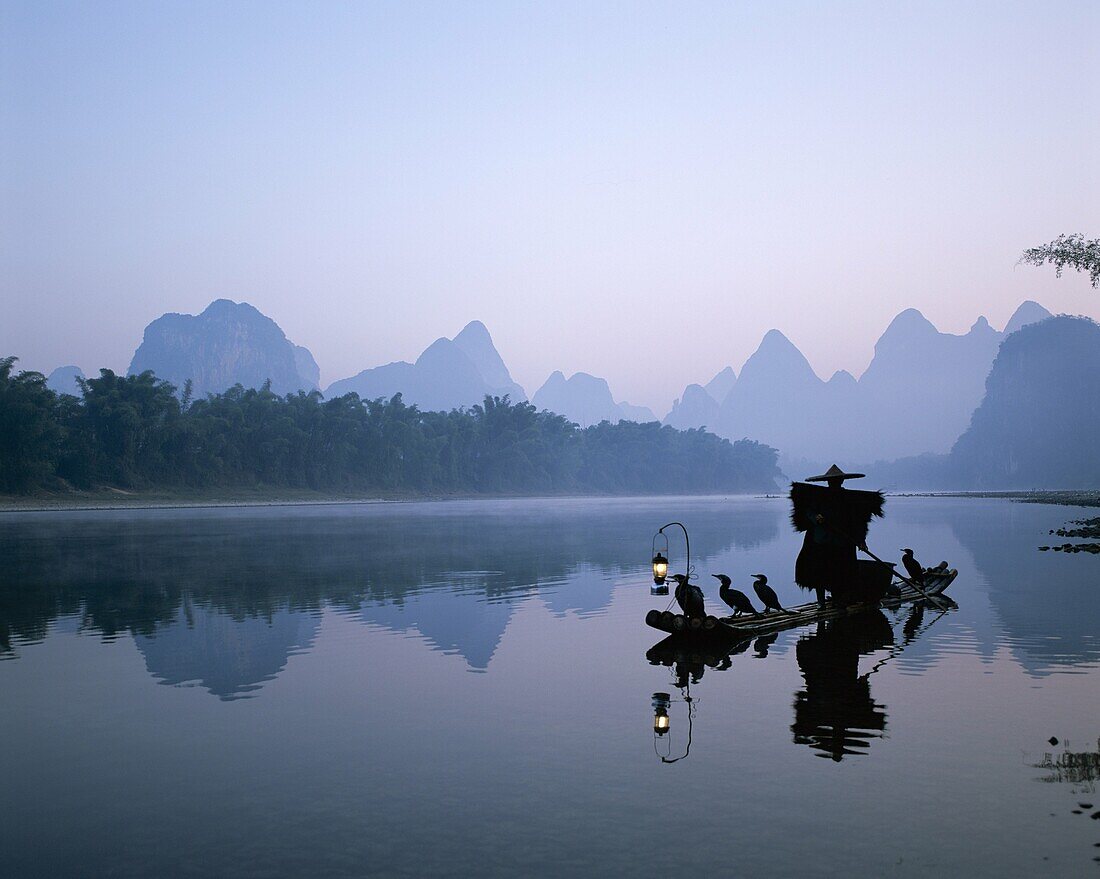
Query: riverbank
(119, 499)
(1074, 498)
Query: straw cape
(835, 521)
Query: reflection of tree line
(131, 573)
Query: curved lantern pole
(659, 560)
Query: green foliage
(1075, 251)
(28, 429)
(134, 432)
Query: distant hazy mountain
(641, 414)
(696, 408)
(720, 386)
(63, 380)
(776, 399)
(916, 396)
(449, 374)
(1038, 424)
(307, 367)
(586, 400)
(1028, 313)
(229, 343)
(699, 404)
(476, 343)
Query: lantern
(660, 564)
(660, 569)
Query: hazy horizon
(631, 191)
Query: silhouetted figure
(735, 598)
(835, 715)
(912, 566)
(689, 597)
(766, 594)
(835, 521)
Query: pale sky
(635, 190)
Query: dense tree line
(137, 432)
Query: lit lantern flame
(660, 569)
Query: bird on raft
(912, 566)
(766, 594)
(689, 597)
(735, 598)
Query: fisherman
(835, 521)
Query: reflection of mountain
(454, 622)
(1047, 603)
(265, 572)
(587, 591)
(229, 657)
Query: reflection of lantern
(661, 701)
(660, 569)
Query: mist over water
(451, 688)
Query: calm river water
(463, 688)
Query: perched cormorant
(735, 598)
(766, 594)
(689, 597)
(912, 566)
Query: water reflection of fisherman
(835, 521)
(836, 714)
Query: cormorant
(735, 598)
(689, 597)
(766, 594)
(912, 566)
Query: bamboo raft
(738, 628)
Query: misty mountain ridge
(586, 400)
(1037, 424)
(915, 397)
(1040, 418)
(449, 374)
(229, 343)
(476, 343)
